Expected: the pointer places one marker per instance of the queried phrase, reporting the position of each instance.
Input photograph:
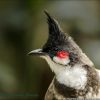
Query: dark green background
(23, 27)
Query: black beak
(37, 52)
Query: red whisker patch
(62, 54)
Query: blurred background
(23, 27)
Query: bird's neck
(75, 77)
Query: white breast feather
(74, 77)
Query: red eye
(62, 54)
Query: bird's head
(58, 47)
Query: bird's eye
(62, 54)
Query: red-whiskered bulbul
(75, 74)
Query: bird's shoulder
(51, 93)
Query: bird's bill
(37, 52)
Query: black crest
(56, 38)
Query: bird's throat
(74, 77)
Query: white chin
(63, 61)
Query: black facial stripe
(73, 58)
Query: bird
(75, 75)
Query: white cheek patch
(63, 61)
